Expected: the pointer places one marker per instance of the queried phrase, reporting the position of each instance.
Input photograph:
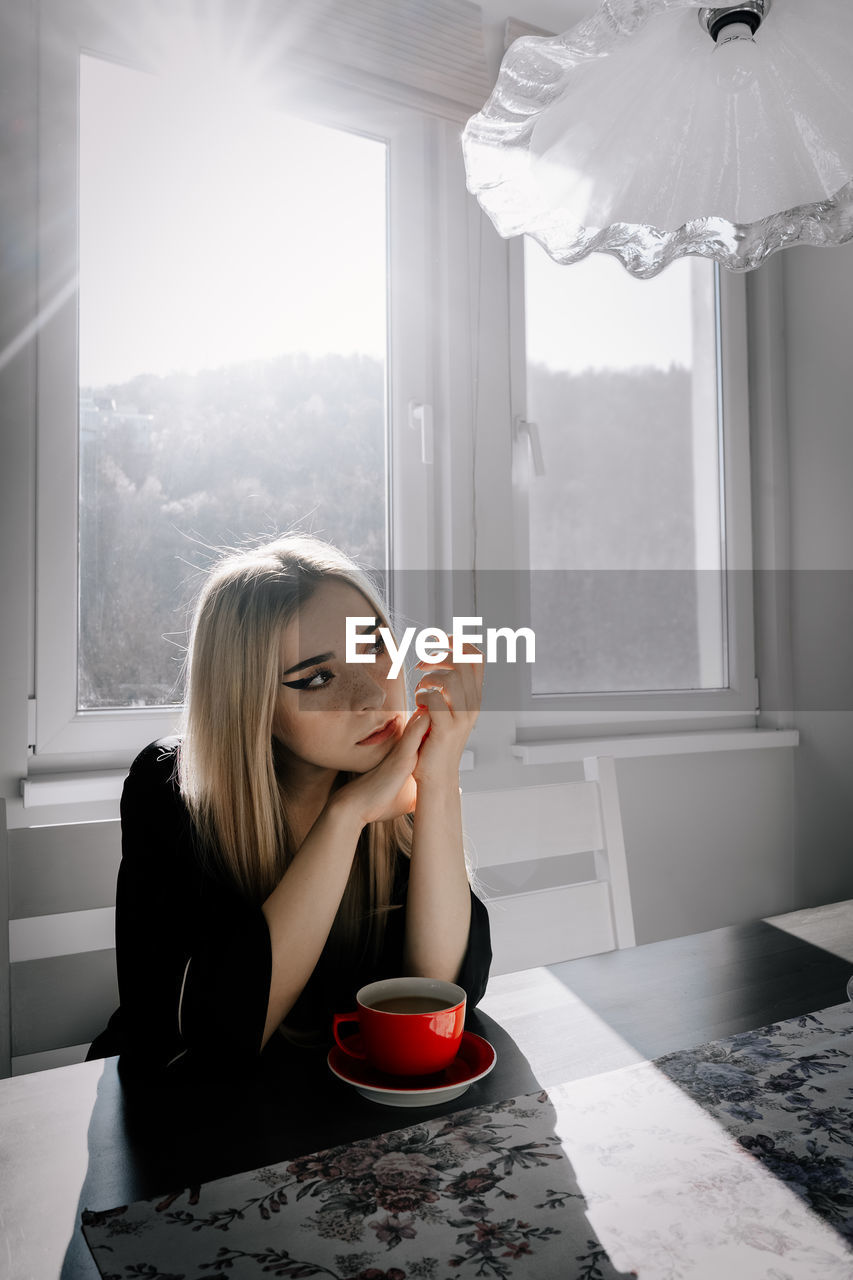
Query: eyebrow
(324, 657)
(309, 662)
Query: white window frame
(499, 520)
(67, 30)
(734, 706)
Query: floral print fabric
(731, 1160)
(734, 1159)
(482, 1192)
(786, 1093)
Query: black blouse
(193, 956)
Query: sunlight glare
(672, 1193)
(215, 230)
(827, 927)
(539, 994)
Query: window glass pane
(232, 355)
(625, 525)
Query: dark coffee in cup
(411, 1004)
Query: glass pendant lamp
(660, 128)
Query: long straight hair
(227, 759)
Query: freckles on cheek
(335, 697)
(350, 690)
(338, 696)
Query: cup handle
(349, 1044)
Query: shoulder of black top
(160, 757)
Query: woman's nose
(371, 689)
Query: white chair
(550, 863)
(5, 997)
(60, 986)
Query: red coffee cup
(407, 1026)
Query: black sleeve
(474, 973)
(193, 958)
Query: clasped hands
(427, 756)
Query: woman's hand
(388, 790)
(451, 694)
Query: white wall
(819, 365)
(819, 362)
(709, 839)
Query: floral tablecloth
(731, 1160)
(482, 1192)
(735, 1159)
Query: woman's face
(332, 714)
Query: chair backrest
(5, 995)
(61, 940)
(550, 862)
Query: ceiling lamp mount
(634, 134)
(749, 13)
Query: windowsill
(662, 744)
(87, 788)
(72, 788)
(51, 789)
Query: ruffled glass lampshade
(660, 128)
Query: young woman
(302, 836)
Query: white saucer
(475, 1060)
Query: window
(627, 434)
(232, 363)
(224, 251)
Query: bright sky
(214, 231)
(592, 313)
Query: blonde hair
(227, 758)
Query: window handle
(420, 419)
(530, 431)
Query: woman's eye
(316, 681)
(377, 647)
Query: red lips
(379, 735)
